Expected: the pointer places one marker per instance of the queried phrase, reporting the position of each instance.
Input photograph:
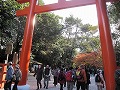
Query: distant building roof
(35, 62)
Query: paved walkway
(32, 82)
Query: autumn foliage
(92, 58)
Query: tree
(10, 25)
(80, 35)
(114, 12)
(7, 23)
(46, 31)
(7, 14)
(114, 16)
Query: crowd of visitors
(13, 75)
(78, 77)
(70, 77)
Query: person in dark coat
(9, 76)
(39, 74)
(61, 79)
(46, 76)
(55, 75)
(88, 79)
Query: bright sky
(87, 14)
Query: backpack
(98, 78)
(80, 77)
(17, 75)
(61, 77)
(69, 76)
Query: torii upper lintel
(62, 4)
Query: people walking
(9, 76)
(32, 82)
(17, 77)
(39, 74)
(55, 75)
(46, 76)
(74, 74)
(61, 78)
(70, 79)
(88, 79)
(81, 78)
(99, 81)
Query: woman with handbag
(99, 81)
(16, 77)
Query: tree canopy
(53, 42)
(114, 17)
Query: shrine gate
(108, 55)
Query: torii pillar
(27, 41)
(108, 55)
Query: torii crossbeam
(108, 55)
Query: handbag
(14, 77)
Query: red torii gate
(108, 55)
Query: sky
(87, 14)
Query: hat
(10, 63)
(98, 72)
(17, 66)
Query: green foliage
(80, 35)
(7, 12)
(114, 16)
(7, 17)
(114, 12)
(71, 21)
(46, 32)
(40, 2)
